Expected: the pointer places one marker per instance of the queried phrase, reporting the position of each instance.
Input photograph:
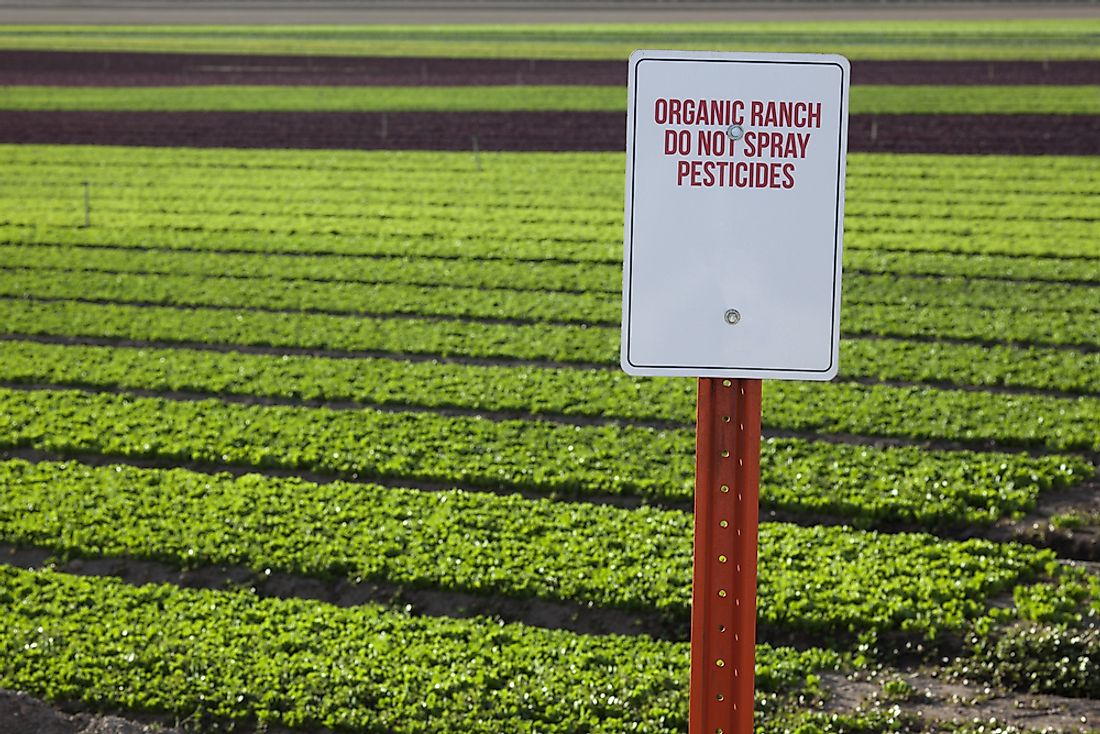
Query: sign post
(733, 233)
(723, 591)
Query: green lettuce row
(471, 222)
(138, 189)
(1015, 322)
(1057, 238)
(541, 274)
(154, 275)
(1019, 325)
(982, 40)
(811, 579)
(967, 293)
(313, 243)
(505, 235)
(970, 266)
(495, 184)
(967, 364)
(583, 344)
(862, 483)
(952, 205)
(520, 172)
(1007, 244)
(320, 331)
(514, 176)
(1011, 311)
(872, 410)
(882, 359)
(217, 656)
(306, 295)
(508, 191)
(471, 272)
(410, 200)
(865, 99)
(1040, 658)
(69, 230)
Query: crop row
(869, 410)
(1068, 237)
(1048, 658)
(862, 483)
(1047, 199)
(523, 265)
(570, 174)
(959, 273)
(589, 182)
(553, 313)
(885, 359)
(433, 290)
(598, 216)
(970, 266)
(66, 228)
(942, 198)
(518, 274)
(832, 580)
(946, 310)
(980, 40)
(951, 317)
(472, 221)
(470, 272)
(865, 99)
(217, 656)
(312, 296)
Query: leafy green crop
(975, 274)
(874, 410)
(534, 206)
(818, 579)
(528, 275)
(586, 292)
(214, 656)
(862, 483)
(962, 364)
(879, 100)
(945, 308)
(972, 266)
(1057, 659)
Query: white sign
(734, 214)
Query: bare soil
(520, 131)
(24, 714)
(937, 700)
(121, 69)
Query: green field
(383, 387)
(207, 248)
(954, 39)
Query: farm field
(312, 431)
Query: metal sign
(734, 214)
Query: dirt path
(124, 69)
(23, 714)
(520, 131)
(514, 11)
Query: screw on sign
(731, 274)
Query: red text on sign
(735, 174)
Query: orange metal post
(723, 596)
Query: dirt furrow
(518, 131)
(119, 69)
